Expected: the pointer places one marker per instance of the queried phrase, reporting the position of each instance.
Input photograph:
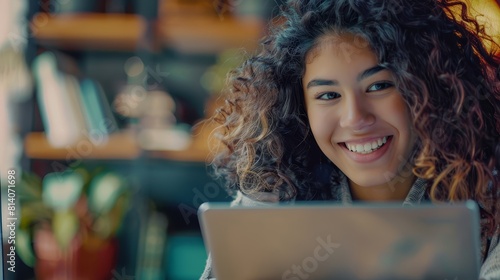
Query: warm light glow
(487, 13)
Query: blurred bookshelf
(89, 55)
(194, 28)
(187, 27)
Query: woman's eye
(328, 95)
(380, 86)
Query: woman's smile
(367, 150)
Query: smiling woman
(382, 100)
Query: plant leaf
(65, 225)
(23, 247)
(61, 190)
(104, 190)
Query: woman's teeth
(367, 147)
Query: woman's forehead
(345, 43)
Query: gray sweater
(490, 269)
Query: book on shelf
(73, 108)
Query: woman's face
(357, 116)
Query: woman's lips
(367, 157)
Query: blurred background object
(15, 79)
(119, 86)
(101, 110)
(72, 219)
(487, 13)
(15, 89)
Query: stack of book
(73, 108)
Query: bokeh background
(102, 105)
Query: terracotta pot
(85, 259)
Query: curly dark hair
(448, 78)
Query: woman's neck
(395, 190)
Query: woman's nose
(356, 114)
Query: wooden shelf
(209, 34)
(198, 151)
(118, 146)
(91, 31)
(187, 33)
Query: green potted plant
(69, 221)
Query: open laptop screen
(331, 241)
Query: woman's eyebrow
(321, 82)
(369, 72)
(363, 75)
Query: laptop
(333, 241)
